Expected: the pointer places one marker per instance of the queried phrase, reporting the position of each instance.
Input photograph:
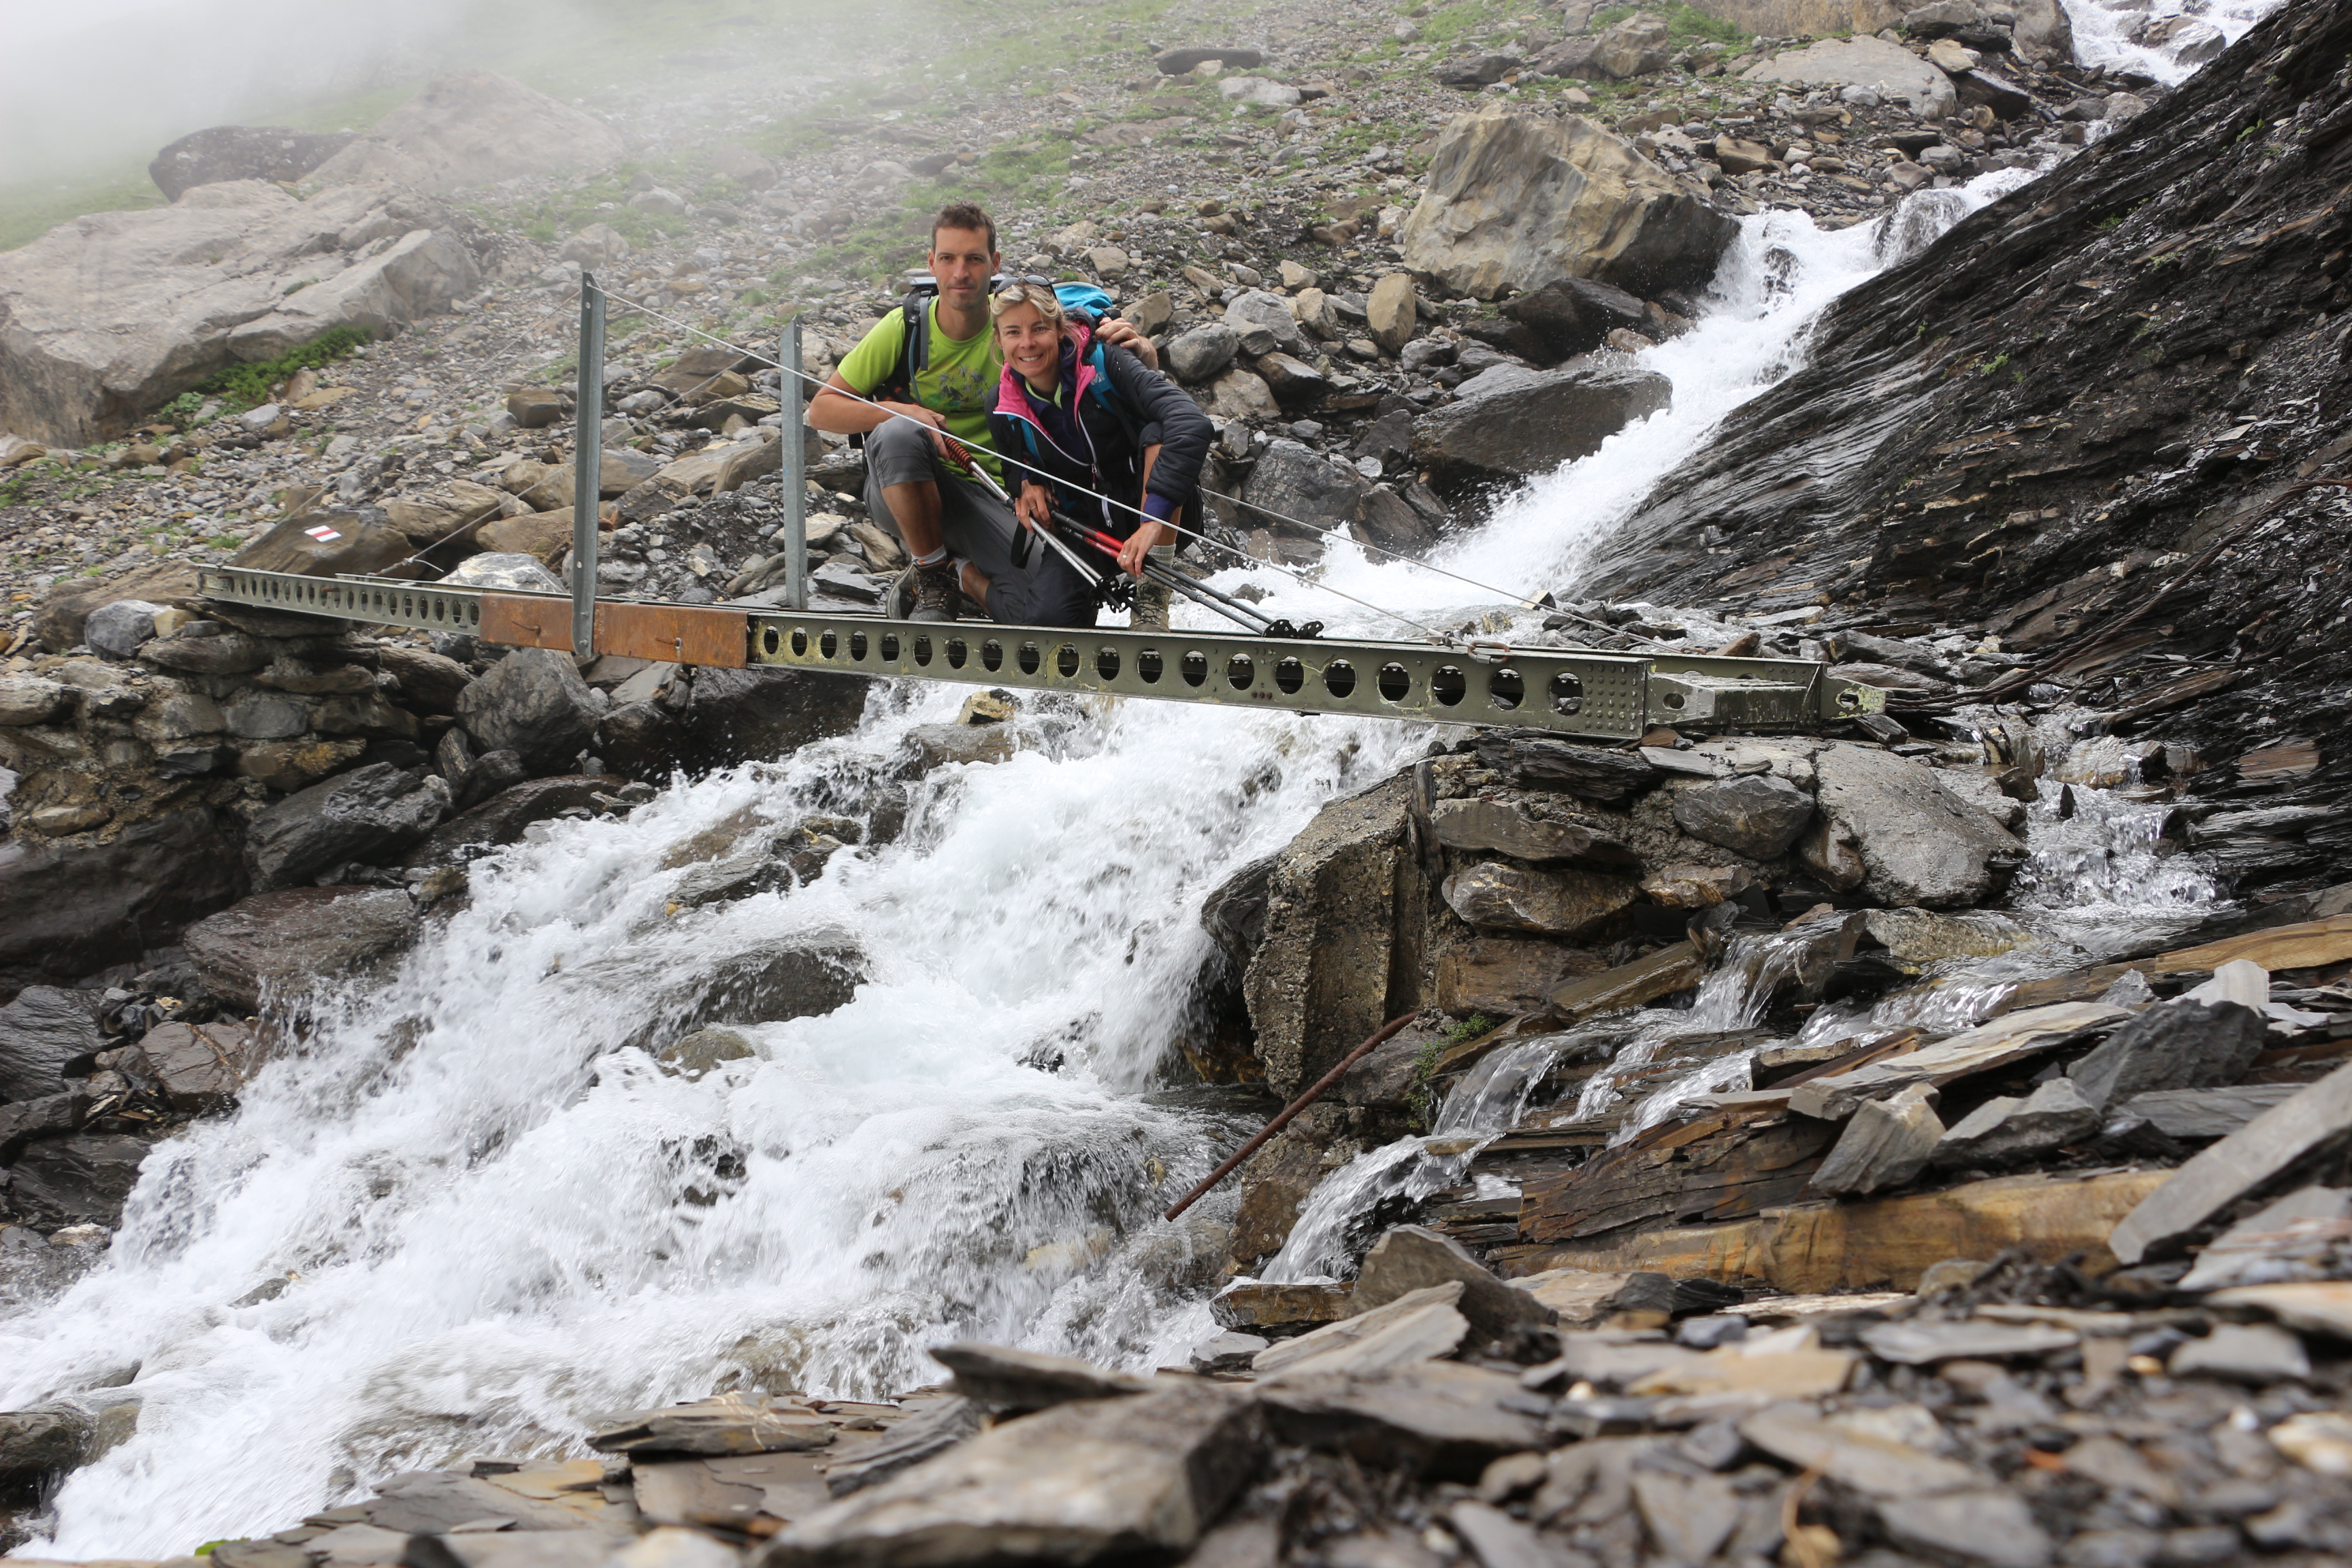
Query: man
(959, 537)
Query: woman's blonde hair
(1049, 308)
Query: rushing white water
(2111, 36)
(487, 1220)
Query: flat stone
(1916, 938)
(1584, 1298)
(997, 1377)
(1409, 1258)
(2003, 1129)
(1759, 816)
(1092, 1480)
(200, 1066)
(2237, 1165)
(1254, 1306)
(1925, 1343)
(2243, 1352)
(1863, 62)
(723, 1423)
(45, 1027)
(2010, 1037)
(2295, 1238)
(2184, 1044)
(1229, 1352)
(1422, 1325)
(1689, 1517)
(1608, 777)
(1990, 1527)
(1440, 1416)
(1608, 1360)
(1885, 1145)
(434, 1502)
(1505, 828)
(504, 1548)
(922, 1437)
(1568, 903)
(1874, 1465)
(1497, 1541)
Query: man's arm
(1120, 333)
(838, 408)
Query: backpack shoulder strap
(1107, 395)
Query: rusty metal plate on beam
(676, 634)
(520, 622)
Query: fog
(91, 82)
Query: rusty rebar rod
(1288, 1111)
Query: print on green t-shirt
(958, 381)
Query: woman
(1077, 421)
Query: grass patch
(244, 386)
(1423, 1099)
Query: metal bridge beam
(1595, 695)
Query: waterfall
(468, 1212)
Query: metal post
(587, 465)
(795, 469)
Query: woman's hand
(1034, 507)
(1147, 537)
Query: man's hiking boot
(1150, 613)
(926, 593)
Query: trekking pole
(1233, 609)
(963, 459)
(1238, 611)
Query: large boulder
(1320, 980)
(285, 944)
(328, 544)
(1516, 200)
(758, 715)
(1570, 315)
(2043, 32)
(109, 315)
(1638, 45)
(78, 1180)
(370, 814)
(1756, 814)
(1510, 423)
(1889, 828)
(222, 152)
(533, 703)
(501, 819)
(1203, 353)
(1874, 63)
(473, 128)
(1263, 322)
(65, 613)
(70, 910)
(42, 1030)
(1292, 482)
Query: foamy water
(489, 1220)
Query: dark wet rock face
(70, 908)
(2058, 414)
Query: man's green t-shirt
(959, 381)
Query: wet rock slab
(1093, 1481)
